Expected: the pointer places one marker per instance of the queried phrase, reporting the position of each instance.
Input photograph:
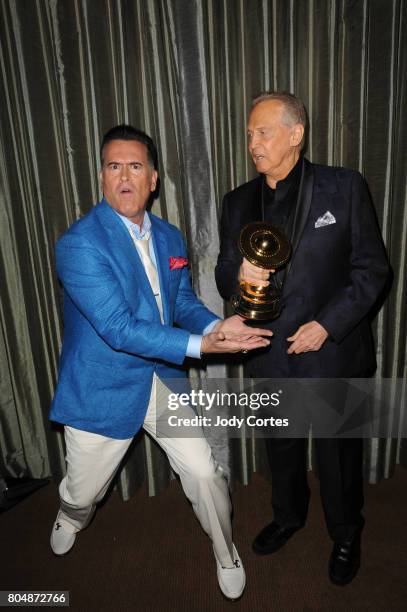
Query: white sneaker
(232, 581)
(61, 540)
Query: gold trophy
(264, 246)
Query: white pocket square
(326, 219)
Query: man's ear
(154, 179)
(297, 133)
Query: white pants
(92, 461)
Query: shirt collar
(292, 179)
(138, 233)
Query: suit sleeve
(190, 313)
(91, 284)
(230, 258)
(368, 268)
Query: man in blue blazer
(126, 284)
(336, 273)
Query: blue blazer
(114, 340)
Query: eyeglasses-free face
(127, 178)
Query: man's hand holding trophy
(265, 249)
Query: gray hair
(294, 109)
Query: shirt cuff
(194, 346)
(195, 341)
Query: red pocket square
(178, 262)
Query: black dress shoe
(272, 538)
(345, 561)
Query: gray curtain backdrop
(185, 71)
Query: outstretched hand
(232, 336)
(237, 325)
(229, 342)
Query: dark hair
(128, 132)
(294, 109)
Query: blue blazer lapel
(162, 259)
(122, 246)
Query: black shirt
(279, 203)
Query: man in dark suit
(126, 286)
(337, 270)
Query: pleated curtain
(185, 71)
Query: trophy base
(255, 312)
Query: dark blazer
(335, 276)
